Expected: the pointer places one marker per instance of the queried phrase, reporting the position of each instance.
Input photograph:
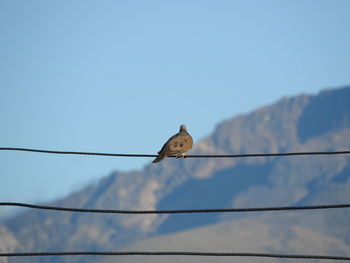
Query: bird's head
(182, 128)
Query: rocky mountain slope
(302, 123)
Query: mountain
(287, 236)
(303, 123)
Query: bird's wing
(166, 146)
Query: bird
(177, 145)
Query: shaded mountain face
(303, 123)
(325, 112)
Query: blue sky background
(121, 76)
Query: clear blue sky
(121, 76)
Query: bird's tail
(159, 158)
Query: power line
(181, 211)
(188, 156)
(173, 253)
(76, 153)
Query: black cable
(188, 156)
(172, 253)
(76, 153)
(181, 211)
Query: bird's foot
(181, 156)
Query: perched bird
(177, 145)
